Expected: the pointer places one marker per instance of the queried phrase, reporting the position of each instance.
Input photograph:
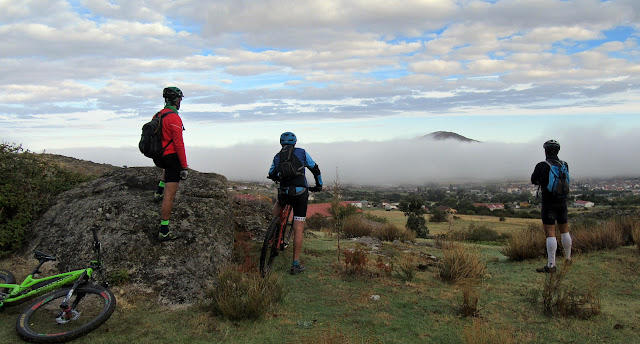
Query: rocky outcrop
(120, 204)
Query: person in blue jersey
(288, 168)
(554, 208)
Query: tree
(412, 208)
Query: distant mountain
(447, 135)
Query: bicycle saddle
(43, 256)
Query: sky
(358, 81)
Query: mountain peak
(447, 135)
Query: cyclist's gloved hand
(315, 188)
(184, 174)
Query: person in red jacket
(173, 161)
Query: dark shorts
(554, 212)
(298, 202)
(171, 165)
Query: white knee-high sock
(552, 246)
(566, 244)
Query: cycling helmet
(551, 145)
(288, 138)
(172, 93)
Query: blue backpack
(558, 178)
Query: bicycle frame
(18, 293)
(284, 215)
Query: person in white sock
(552, 176)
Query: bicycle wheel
(6, 277)
(43, 321)
(269, 250)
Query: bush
(438, 216)
(636, 237)
(567, 301)
(317, 222)
(527, 243)
(481, 233)
(240, 296)
(371, 217)
(592, 235)
(391, 232)
(355, 262)
(460, 263)
(28, 186)
(406, 269)
(417, 224)
(355, 227)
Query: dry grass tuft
(460, 263)
(244, 296)
(528, 243)
(356, 226)
(391, 232)
(355, 262)
(561, 299)
(591, 236)
(480, 332)
(470, 296)
(406, 268)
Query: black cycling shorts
(298, 202)
(171, 165)
(554, 212)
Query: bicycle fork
(69, 312)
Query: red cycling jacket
(172, 130)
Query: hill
(84, 167)
(447, 135)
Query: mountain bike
(66, 312)
(274, 239)
(277, 236)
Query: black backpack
(290, 166)
(151, 141)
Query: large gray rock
(120, 204)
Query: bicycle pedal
(284, 246)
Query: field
(460, 222)
(327, 305)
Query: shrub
(438, 216)
(374, 218)
(469, 306)
(481, 232)
(417, 224)
(242, 253)
(460, 263)
(355, 261)
(391, 232)
(636, 237)
(240, 296)
(317, 222)
(355, 226)
(28, 187)
(406, 268)
(591, 235)
(567, 301)
(527, 243)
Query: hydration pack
(289, 166)
(558, 178)
(151, 141)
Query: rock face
(120, 204)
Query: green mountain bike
(72, 306)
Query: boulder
(120, 204)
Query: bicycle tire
(40, 322)
(269, 246)
(6, 277)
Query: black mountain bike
(73, 307)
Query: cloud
(590, 152)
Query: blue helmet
(288, 138)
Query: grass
(323, 305)
(461, 223)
